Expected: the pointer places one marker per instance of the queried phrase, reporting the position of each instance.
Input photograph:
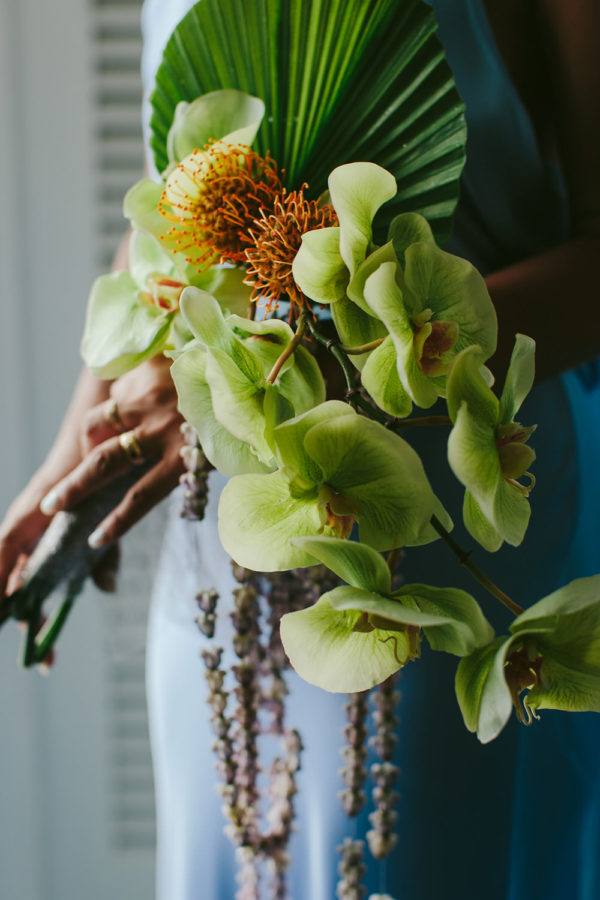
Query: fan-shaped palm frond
(342, 80)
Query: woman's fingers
(10, 551)
(16, 576)
(104, 421)
(152, 487)
(104, 463)
(19, 534)
(96, 429)
(104, 574)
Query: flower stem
(464, 559)
(288, 349)
(363, 348)
(335, 348)
(357, 399)
(395, 424)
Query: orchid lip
(522, 673)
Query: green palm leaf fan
(342, 80)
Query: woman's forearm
(553, 298)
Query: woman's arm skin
(554, 296)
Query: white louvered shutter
(117, 98)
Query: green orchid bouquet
(333, 481)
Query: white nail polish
(96, 538)
(50, 503)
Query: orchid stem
(362, 348)
(395, 424)
(335, 348)
(288, 350)
(357, 399)
(464, 559)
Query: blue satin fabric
(514, 820)
(524, 822)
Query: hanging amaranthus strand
(351, 870)
(207, 618)
(280, 817)
(194, 480)
(354, 773)
(246, 644)
(221, 724)
(381, 838)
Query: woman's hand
(24, 523)
(143, 405)
(23, 526)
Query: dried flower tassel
(194, 480)
(248, 876)
(354, 752)
(221, 724)
(259, 682)
(351, 870)
(381, 838)
(207, 620)
(246, 643)
(280, 816)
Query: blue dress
(514, 820)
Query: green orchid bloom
(487, 448)
(225, 391)
(227, 117)
(134, 315)
(433, 305)
(330, 264)
(336, 468)
(329, 258)
(359, 634)
(552, 654)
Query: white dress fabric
(195, 861)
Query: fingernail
(97, 538)
(50, 503)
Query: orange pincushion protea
(212, 198)
(276, 236)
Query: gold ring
(131, 446)
(111, 414)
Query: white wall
(55, 770)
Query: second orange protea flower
(276, 236)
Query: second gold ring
(131, 446)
